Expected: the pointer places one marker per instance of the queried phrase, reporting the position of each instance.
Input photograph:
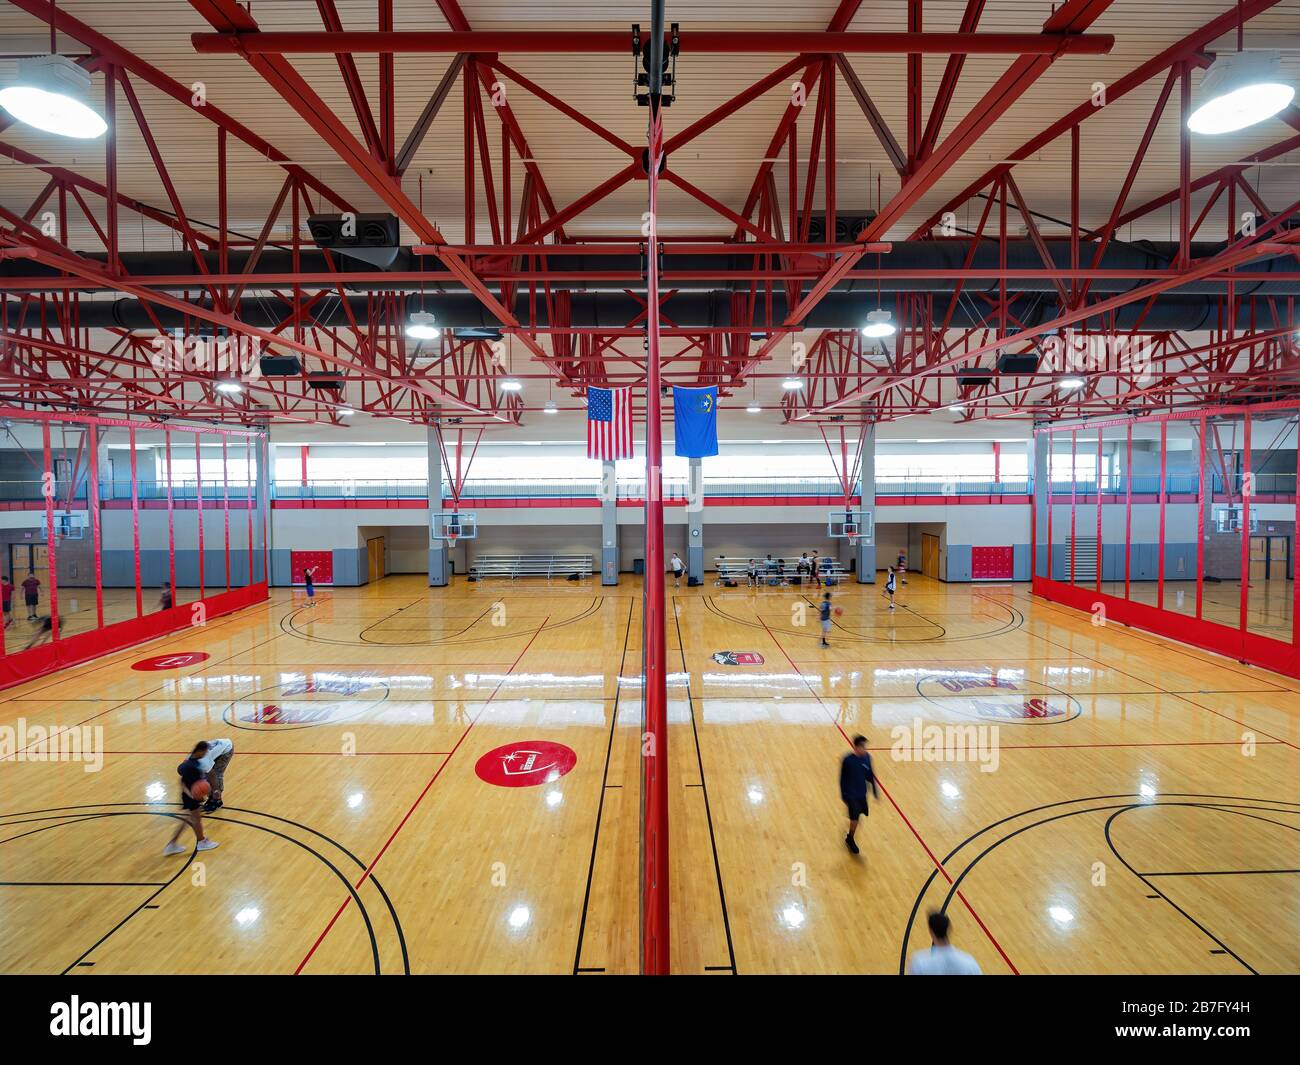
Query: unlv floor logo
(525, 764)
(991, 697)
(738, 658)
(308, 701)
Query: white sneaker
(207, 845)
(173, 848)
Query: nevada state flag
(695, 416)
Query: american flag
(609, 423)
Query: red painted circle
(176, 660)
(525, 764)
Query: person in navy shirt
(191, 772)
(855, 774)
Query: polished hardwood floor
(1080, 799)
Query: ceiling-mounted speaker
(372, 238)
(280, 365)
(331, 381)
(847, 226)
(974, 377)
(1017, 364)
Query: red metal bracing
(761, 262)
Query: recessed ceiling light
(421, 327)
(1240, 90)
(792, 384)
(229, 387)
(49, 93)
(879, 324)
(510, 385)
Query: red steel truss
(761, 255)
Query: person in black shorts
(311, 587)
(855, 774)
(191, 773)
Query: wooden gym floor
(1136, 811)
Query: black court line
(82, 883)
(600, 807)
(1223, 872)
(925, 888)
(1016, 622)
(704, 791)
(99, 811)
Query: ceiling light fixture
(550, 407)
(49, 94)
(1240, 90)
(229, 387)
(792, 384)
(879, 324)
(421, 326)
(346, 412)
(754, 408)
(510, 385)
(1070, 384)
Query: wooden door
(375, 555)
(1259, 558)
(929, 555)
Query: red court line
(407, 816)
(898, 809)
(1084, 746)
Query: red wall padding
(992, 563)
(321, 564)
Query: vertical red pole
(1101, 551)
(997, 462)
(225, 502)
(110, 166)
(49, 531)
(1247, 493)
(1047, 495)
(171, 520)
(1074, 496)
(269, 476)
(198, 505)
(1200, 521)
(1160, 551)
(1128, 508)
(1295, 561)
(304, 465)
(248, 503)
(92, 504)
(135, 525)
(654, 795)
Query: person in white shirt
(214, 765)
(942, 959)
(677, 570)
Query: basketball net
(451, 539)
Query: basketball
(200, 790)
(839, 611)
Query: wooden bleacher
(515, 566)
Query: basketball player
(311, 588)
(7, 593)
(902, 566)
(814, 567)
(165, 596)
(190, 774)
(824, 612)
(942, 959)
(753, 573)
(44, 631)
(31, 594)
(855, 774)
(677, 570)
(214, 765)
(891, 586)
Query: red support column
(171, 521)
(92, 505)
(225, 501)
(1128, 507)
(654, 795)
(48, 487)
(198, 505)
(1160, 551)
(1247, 493)
(1200, 519)
(135, 525)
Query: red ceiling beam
(749, 42)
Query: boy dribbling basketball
(195, 790)
(891, 586)
(824, 612)
(855, 774)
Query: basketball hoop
(451, 537)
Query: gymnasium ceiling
(722, 163)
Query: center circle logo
(525, 764)
(306, 702)
(1002, 700)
